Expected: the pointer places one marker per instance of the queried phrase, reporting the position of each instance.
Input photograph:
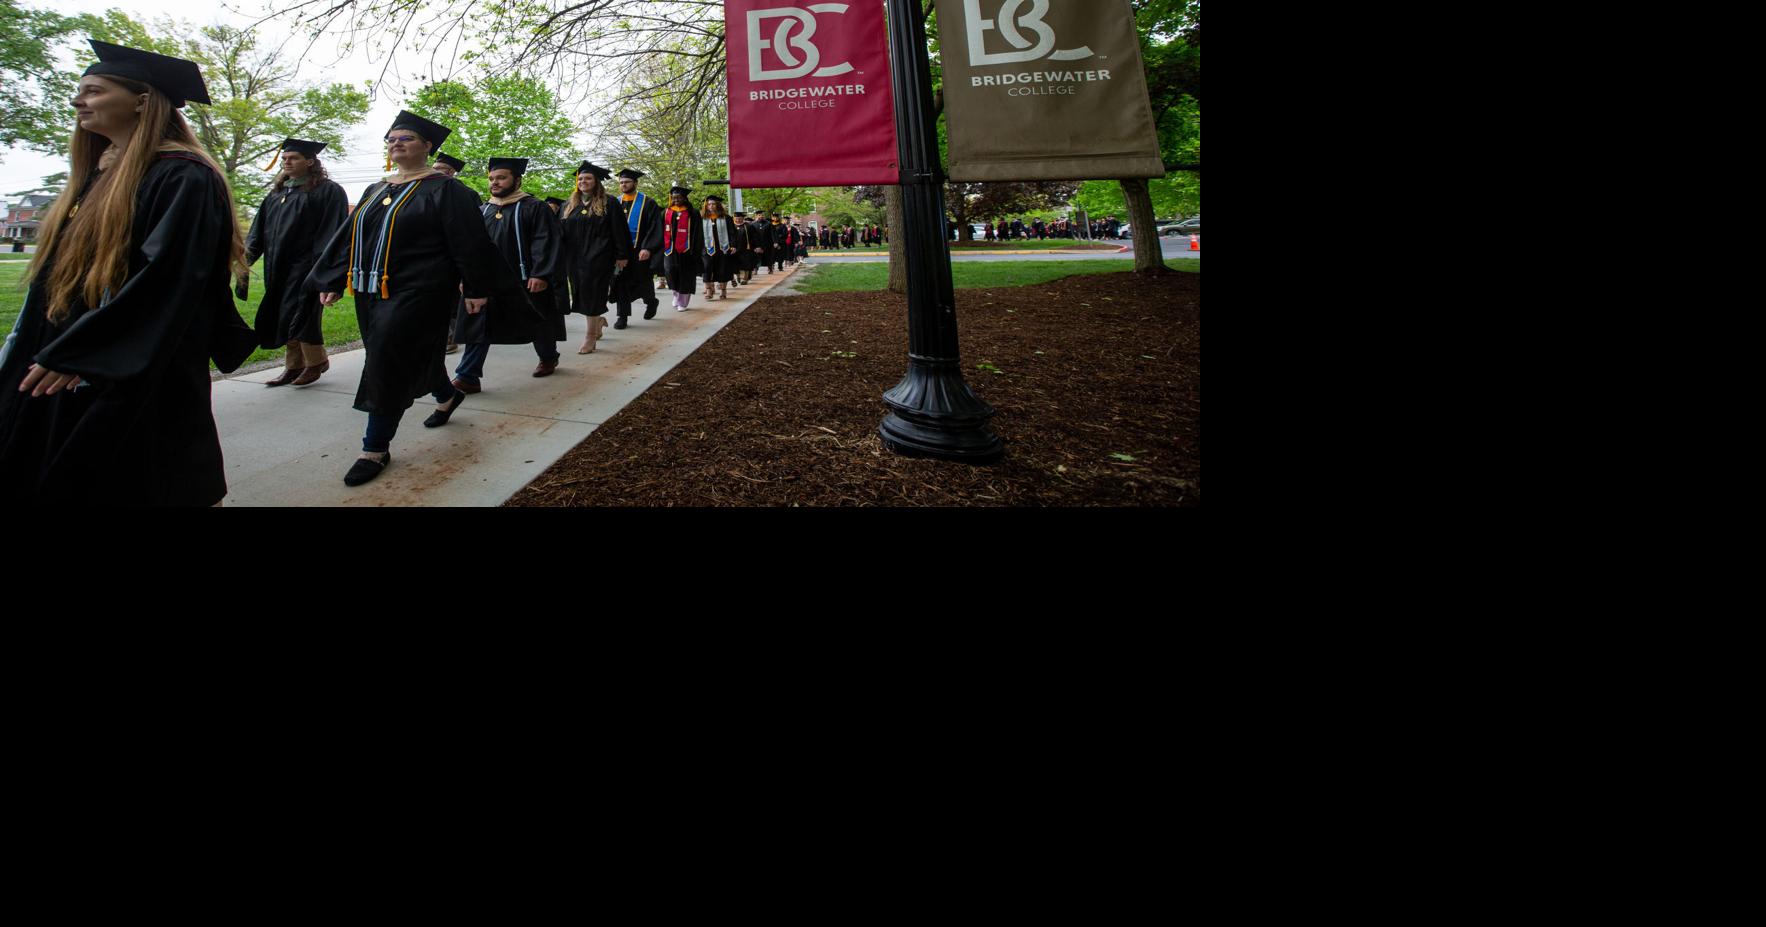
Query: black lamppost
(933, 413)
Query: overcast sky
(22, 169)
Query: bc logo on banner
(807, 70)
(782, 42)
(1007, 24)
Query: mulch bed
(1098, 393)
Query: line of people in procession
(1021, 230)
(129, 291)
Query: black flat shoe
(619, 322)
(364, 470)
(439, 418)
(650, 311)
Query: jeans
(383, 425)
(473, 356)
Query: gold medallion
(583, 213)
(386, 202)
(499, 215)
(284, 197)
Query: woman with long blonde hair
(596, 242)
(104, 384)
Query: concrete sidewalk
(292, 446)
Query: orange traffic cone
(1195, 242)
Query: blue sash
(634, 219)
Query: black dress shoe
(650, 310)
(439, 418)
(619, 322)
(364, 470)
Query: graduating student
(721, 256)
(760, 238)
(413, 246)
(596, 245)
(556, 205)
(528, 238)
(104, 381)
(744, 257)
(780, 232)
(643, 222)
(683, 245)
(297, 219)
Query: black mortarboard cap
(451, 161)
(518, 166)
(677, 188)
(555, 201)
(432, 133)
(601, 173)
(714, 196)
(176, 78)
(310, 149)
(632, 174)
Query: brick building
(25, 217)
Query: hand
(328, 299)
(536, 285)
(41, 381)
(621, 263)
(644, 255)
(475, 306)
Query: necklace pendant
(499, 215)
(284, 197)
(386, 202)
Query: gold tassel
(273, 159)
(389, 162)
(383, 286)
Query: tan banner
(1045, 90)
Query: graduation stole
(712, 228)
(634, 220)
(365, 278)
(678, 231)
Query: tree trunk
(1148, 259)
(898, 260)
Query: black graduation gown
(530, 242)
(776, 235)
(143, 431)
(593, 244)
(759, 236)
(289, 232)
(682, 268)
(438, 245)
(744, 259)
(720, 265)
(637, 283)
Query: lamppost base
(933, 413)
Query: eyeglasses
(396, 139)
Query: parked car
(1190, 226)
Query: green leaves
(504, 116)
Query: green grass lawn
(1051, 244)
(835, 278)
(339, 325)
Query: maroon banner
(810, 99)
